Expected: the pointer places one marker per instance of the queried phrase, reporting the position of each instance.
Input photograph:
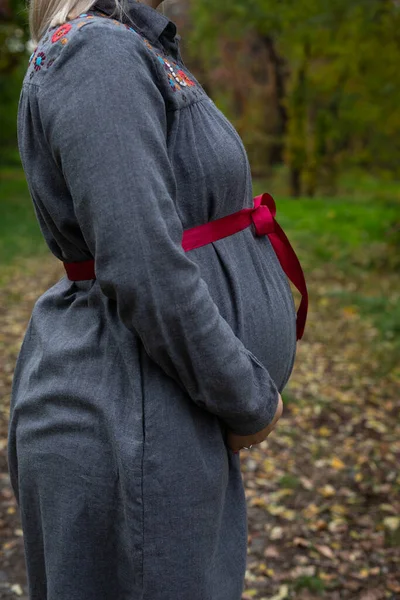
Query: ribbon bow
(263, 216)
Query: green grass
(352, 230)
(20, 236)
(289, 481)
(350, 238)
(313, 584)
(346, 237)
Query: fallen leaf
(392, 523)
(283, 593)
(325, 551)
(16, 588)
(337, 464)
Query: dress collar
(151, 23)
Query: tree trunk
(295, 182)
(278, 71)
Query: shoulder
(88, 46)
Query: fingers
(236, 442)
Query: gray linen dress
(125, 385)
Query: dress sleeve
(105, 121)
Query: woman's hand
(237, 442)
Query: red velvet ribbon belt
(262, 215)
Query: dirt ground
(323, 491)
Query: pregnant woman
(164, 348)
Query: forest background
(313, 88)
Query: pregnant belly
(253, 295)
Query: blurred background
(313, 88)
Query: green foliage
(10, 85)
(14, 54)
(20, 235)
(341, 84)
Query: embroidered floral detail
(129, 27)
(39, 60)
(177, 78)
(60, 32)
(174, 85)
(148, 44)
(185, 78)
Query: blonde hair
(49, 13)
